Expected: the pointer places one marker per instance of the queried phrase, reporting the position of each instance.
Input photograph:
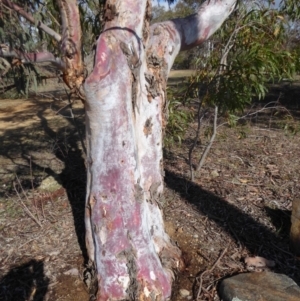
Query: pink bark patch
(102, 61)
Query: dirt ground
(239, 204)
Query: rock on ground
(265, 286)
(49, 185)
(184, 293)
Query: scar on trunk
(148, 127)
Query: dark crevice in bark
(159, 66)
(152, 87)
(157, 81)
(133, 287)
(139, 192)
(134, 64)
(148, 127)
(91, 281)
(147, 19)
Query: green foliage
(24, 36)
(180, 115)
(19, 80)
(249, 52)
(180, 10)
(91, 19)
(294, 43)
(290, 126)
(291, 8)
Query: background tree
(130, 255)
(249, 52)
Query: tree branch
(30, 18)
(71, 45)
(32, 57)
(197, 28)
(170, 37)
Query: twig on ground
(200, 278)
(264, 108)
(3, 262)
(234, 156)
(24, 206)
(67, 105)
(33, 190)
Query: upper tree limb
(170, 37)
(197, 28)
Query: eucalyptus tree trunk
(130, 255)
(125, 105)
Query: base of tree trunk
(145, 267)
(295, 228)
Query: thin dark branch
(207, 148)
(200, 278)
(200, 116)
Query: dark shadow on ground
(64, 142)
(73, 176)
(278, 109)
(281, 219)
(24, 282)
(247, 231)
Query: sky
(161, 3)
(166, 5)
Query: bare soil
(239, 204)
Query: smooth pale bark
(125, 118)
